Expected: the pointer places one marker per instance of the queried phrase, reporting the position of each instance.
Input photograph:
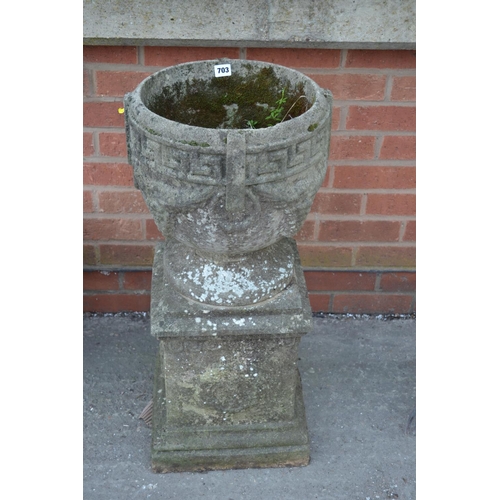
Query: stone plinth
(227, 388)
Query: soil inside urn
(257, 100)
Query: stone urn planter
(229, 303)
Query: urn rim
(157, 125)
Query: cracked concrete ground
(358, 378)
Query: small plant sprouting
(276, 112)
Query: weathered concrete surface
(176, 316)
(227, 392)
(228, 270)
(358, 379)
(236, 403)
(382, 24)
(183, 171)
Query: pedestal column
(227, 388)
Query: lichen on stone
(230, 102)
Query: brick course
(384, 59)
(169, 56)
(358, 243)
(398, 148)
(298, 58)
(374, 177)
(348, 87)
(404, 88)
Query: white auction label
(222, 70)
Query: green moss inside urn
(259, 99)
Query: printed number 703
(222, 70)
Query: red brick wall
(358, 243)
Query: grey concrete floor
(358, 378)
